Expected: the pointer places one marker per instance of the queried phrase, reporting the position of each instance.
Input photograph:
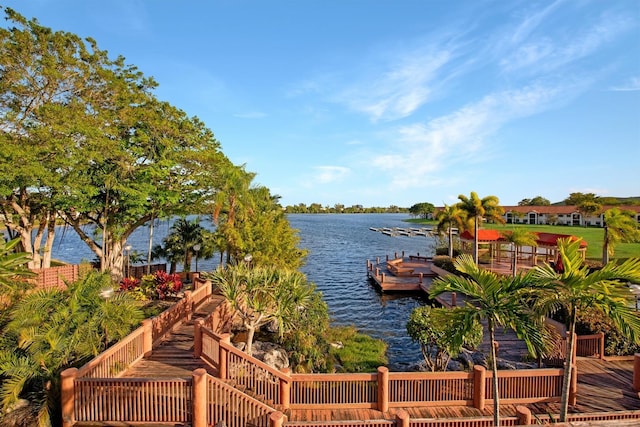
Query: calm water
(339, 246)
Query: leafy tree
(477, 210)
(578, 288)
(422, 210)
(439, 337)
(578, 198)
(589, 208)
(52, 330)
(536, 201)
(448, 217)
(498, 300)
(519, 237)
(261, 295)
(619, 226)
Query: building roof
(564, 209)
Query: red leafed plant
(167, 284)
(129, 283)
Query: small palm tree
(578, 288)
(519, 237)
(448, 217)
(477, 210)
(619, 226)
(498, 300)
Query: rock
(337, 345)
(454, 365)
(271, 327)
(271, 354)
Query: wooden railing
(430, 389)
(309, 391)
(133, 400)
(116, 359)
(527, 385)
(55, 277)
(236, 409)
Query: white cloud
(400, 90)
(329, 174)
(633, 84)
(423, 150)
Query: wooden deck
(603, 386)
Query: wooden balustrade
(430, 388)
(133, 400)
(165, 321)
(309, 391)
(253, 375)
(526, 385)
(116, 359)
(590, 345)
(236, 409)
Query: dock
(402, 273)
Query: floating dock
(402, 274)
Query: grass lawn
(592, 235)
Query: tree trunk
(605, 246)
(475, 240)
(150, 245)
(494, 368)
(48, 244)
(566, 379)
(251, 330)
(450, 242)
(515, 260)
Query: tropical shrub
(593, 321)
(158, 285)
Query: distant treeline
(317, 208)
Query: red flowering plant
(129, 283)
(166, 284)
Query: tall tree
(422, 210)
(578, 288)
(588, 208)
(448, 217)
(619, 226)
(477, 209)
(499, 301)
(519, 237)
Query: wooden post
(188, 305)
(601, 342)
(454, 299)
(524, 415)
(383, 389)
(67, 396)
(197, 338)
(224, 353)
(479, 376)
(199, 398)
(421, 276)
(402, 418)
(147, 337)
(636, 372)
(277, 419)
(285, 389)
(573, 388)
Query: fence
(55, 277)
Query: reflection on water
(339, 246)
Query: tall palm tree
(619, 226)
(498, 300)
(519, 237)
(448, 217)
(578, 288)
(477, 209)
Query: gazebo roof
(543, 239)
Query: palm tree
(578, 288)
(447, 217)
(477, 209)
(52, 330)
(500, 301)
(619, 226)
(519, 237)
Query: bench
(396, 268)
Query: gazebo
(495, 250)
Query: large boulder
(271, 354)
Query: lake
(339, 246)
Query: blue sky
(393, 102)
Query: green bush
(445, 263)
(358, 352)
(593, 321)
